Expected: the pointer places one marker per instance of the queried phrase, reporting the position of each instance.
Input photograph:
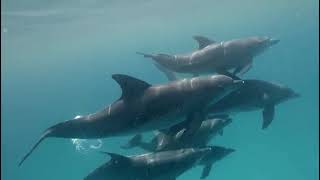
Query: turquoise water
(57, 59)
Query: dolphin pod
(143, 107)
(184, 114)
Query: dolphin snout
(296, 95)
(274, 41)
(230, 150)
(227, 121)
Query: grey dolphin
(214, 57)
(254, 95)
(216, 154)
(143, 107)
(164, 165)
(171, 140)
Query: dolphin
(254, 95)
(143, 107)
(164, 165)
(169, 141)
(216, 154)
(214, 57)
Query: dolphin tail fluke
(145, 55)
(44, 136)
(133, 142)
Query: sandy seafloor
(57, 59)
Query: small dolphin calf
(254, 95)
(219, 57)
(143, 107)
(165, 165)
(165, 141)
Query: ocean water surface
(57, 58)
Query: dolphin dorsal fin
(131, 87)
(203, 41)
(116, 157)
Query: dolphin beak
(296, 95)
(230, 150)
(227, 121)
(274, 41)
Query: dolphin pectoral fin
(133, 142)
(206, 171)
(268, 115)
(246, 69)
(131, 87)
(162, 140)
(169, 74)
(203, 41)
(176, 128)
(227, 73)
(243, 69)
(117, 157)
(194, 121)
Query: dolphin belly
(162, 122)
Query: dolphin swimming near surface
(164, 165)
(171, 141)
(214, 57)
(143, 107)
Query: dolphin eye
(115, 162)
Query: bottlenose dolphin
(143, 107)
(254, 95)
(164, 165)
(170, 140)
(216, 154)
(214, 57)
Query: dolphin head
(285, 93)
(216, 153)
(221, 85)
(118, 168)
(216, 124)
(223, 122)
(222, 152)
(257, 45)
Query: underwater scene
(159, 89)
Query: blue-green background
(57, 58)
